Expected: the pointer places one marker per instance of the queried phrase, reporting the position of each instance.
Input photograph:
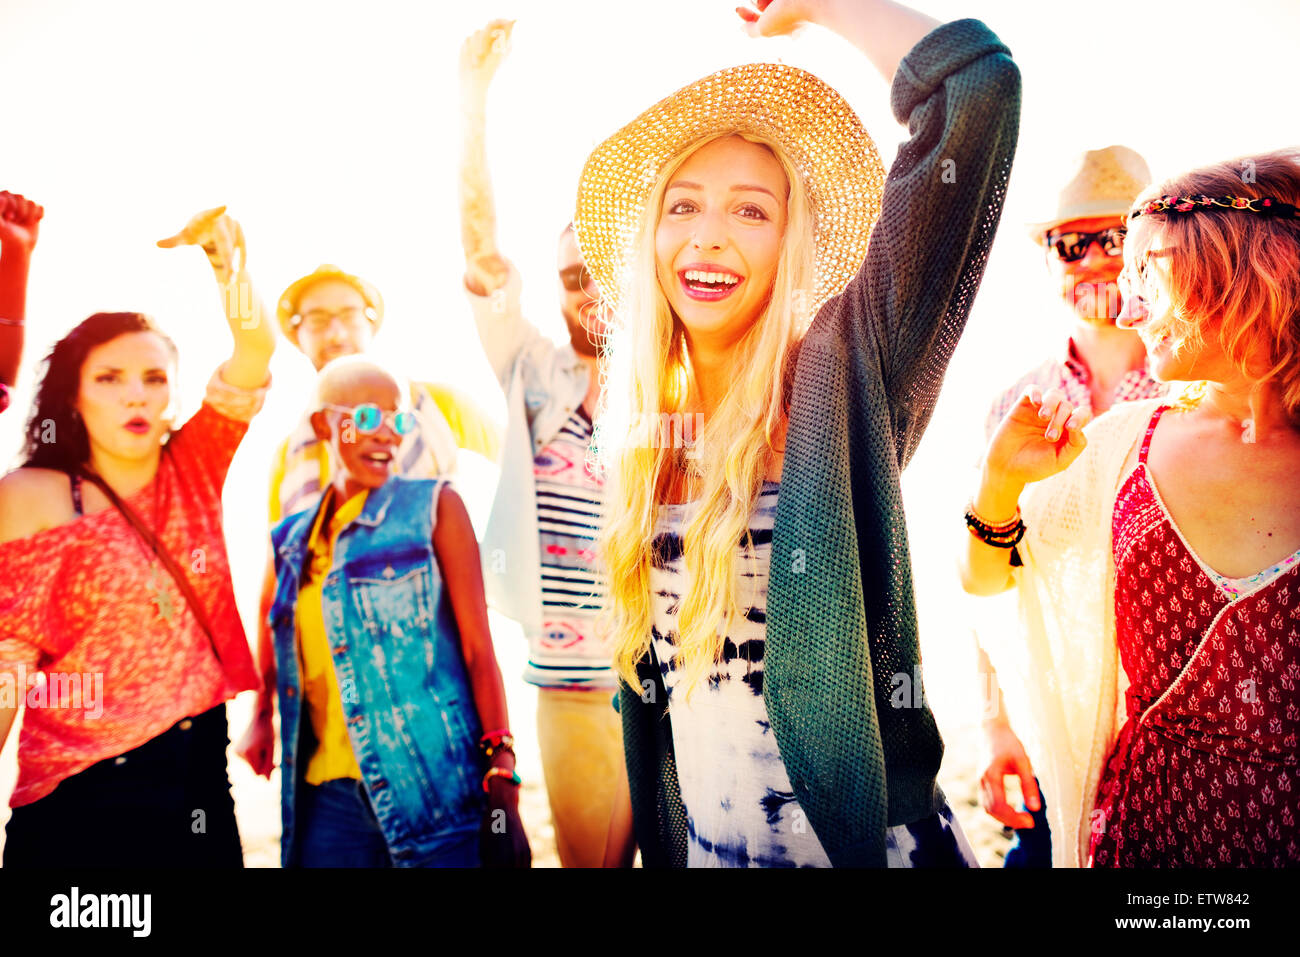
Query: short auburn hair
(1233, 274)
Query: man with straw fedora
(1101, 364)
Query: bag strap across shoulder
(151, 540)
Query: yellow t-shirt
(334, 757)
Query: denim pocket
(395, 606)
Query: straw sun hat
(1105, 183)
(287, 308)
(807, 120)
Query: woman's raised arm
(222, 239)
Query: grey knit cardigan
(841, 614)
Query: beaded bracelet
(1001, 535)
(495, 741)
(514, 777)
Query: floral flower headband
(1187, 204)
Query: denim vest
(402, 677)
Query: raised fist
(776, 18)
(483, 52)
(20, 221)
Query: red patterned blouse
(1205, 772)
(83, 637)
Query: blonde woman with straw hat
(771, 373)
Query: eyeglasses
(318, 320)
(368, 417)
(577, 277)
(1071, 247)
(1137, 294)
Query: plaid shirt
(1072, 377)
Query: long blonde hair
(647, 380)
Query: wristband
(1002, 535)
(495, 741)
(513, 776)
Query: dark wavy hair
(60, 383)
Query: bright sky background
(332, 129)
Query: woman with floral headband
(1165, 561)
(760, 590)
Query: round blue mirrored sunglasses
(368, 417)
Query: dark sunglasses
(368, 417)
(1071, 247)
(576, 277)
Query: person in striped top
(538, 549)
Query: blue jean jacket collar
(372, 514)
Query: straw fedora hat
(287, 309)
(803, 117)
(1105, 183)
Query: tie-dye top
(740, 808)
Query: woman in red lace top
(121, 759)
(1205, 529)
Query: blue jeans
(1032, 846)
(339, 829)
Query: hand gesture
(1040, 436)
(776, 18)
(20, 222)
(257, 746)
(483, 52)
(221, 237)
(1005, 756)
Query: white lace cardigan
(1059, 671)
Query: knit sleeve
(958, 91)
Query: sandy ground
(257, 800)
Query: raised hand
(220, 237)
(882, 29)
(483, 52)
(1040, 436)
(775, 18)
(20, 222)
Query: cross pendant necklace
(161, 596)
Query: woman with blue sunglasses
(396, 749)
